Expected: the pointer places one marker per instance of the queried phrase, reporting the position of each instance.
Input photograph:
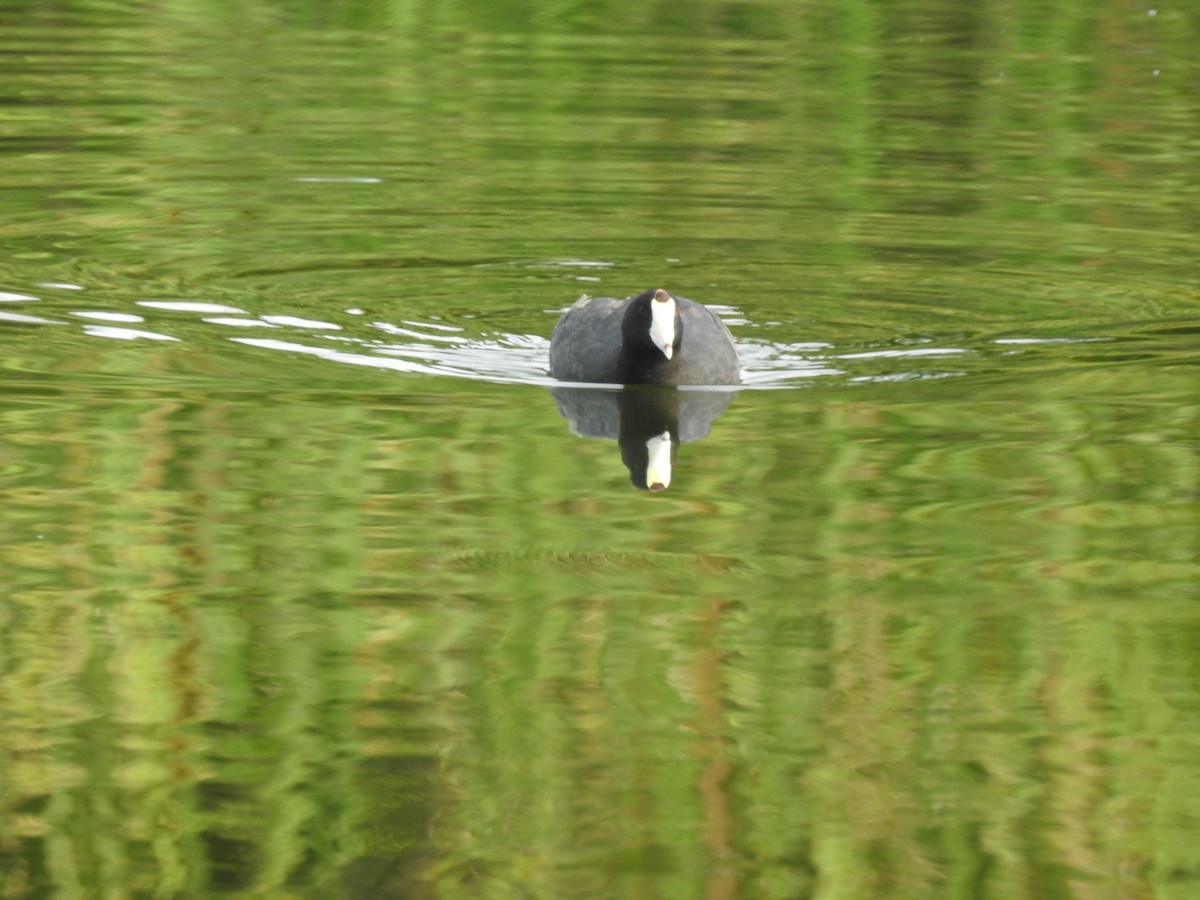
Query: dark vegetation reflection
(649, 422)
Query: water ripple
(462, 349)
(125, 334)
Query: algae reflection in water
(252, 647)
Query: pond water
(315, 586)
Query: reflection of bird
(649, 422)
(653, 338)
(649, 435)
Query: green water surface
(308, 589)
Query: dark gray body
(586, 346)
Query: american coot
(653, 338)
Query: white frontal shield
(662, 323)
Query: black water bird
(653, 338)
